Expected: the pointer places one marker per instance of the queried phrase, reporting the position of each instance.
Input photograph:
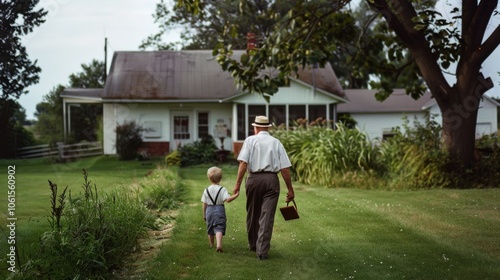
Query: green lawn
(32, 188)
(344, 234)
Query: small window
(240, 111)
(203, 125)
(181, 127)
(296, 112)
(386, 135)
(317, 112)
(253, 111)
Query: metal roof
(363, 101)
(167, 75)
(85, 93)
(322, 78)
(186, 75)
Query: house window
(386, 134)
(277, 114)
(296, 112)
(332, 111)
(203, 125)
(317, 111)
(240, 112)
(181, 127)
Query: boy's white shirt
(213, 189)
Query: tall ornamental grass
(319, 154)
(413, 158)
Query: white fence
(61, 150)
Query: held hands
(290, 196)
(236, 191)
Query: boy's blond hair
(214, 174)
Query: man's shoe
(262, 258)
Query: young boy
(213, 207)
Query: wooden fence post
(60, 148)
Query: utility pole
(105, 59)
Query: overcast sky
(73, 34)
(74, 31)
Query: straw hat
(261, 121)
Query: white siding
(374, 125)
(486, 117)
(109, 125)
(295, 94)
(116, 114)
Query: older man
(263, 157)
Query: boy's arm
(233, 197)
(204, 211)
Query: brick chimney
(250, 41)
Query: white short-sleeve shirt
(213, 190)
(263, 152)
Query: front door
(182, 131)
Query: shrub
(173, 159)
(128, 140)
(486, 171)
(198, 152)
(413, 159)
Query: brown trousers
(262, 191)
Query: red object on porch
(237, 148)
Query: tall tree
(215, 17)
(17, 71)
(197, 31)
(49, 113)
(414, 35)
(84, 118)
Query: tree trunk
(459, 104)
(459, 131)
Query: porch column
(65, 125)
(234, 123)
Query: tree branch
(489, 45)
(468, 12)
(480, 20)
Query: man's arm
(285, 173)
(242, 169)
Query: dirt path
(136, 264)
